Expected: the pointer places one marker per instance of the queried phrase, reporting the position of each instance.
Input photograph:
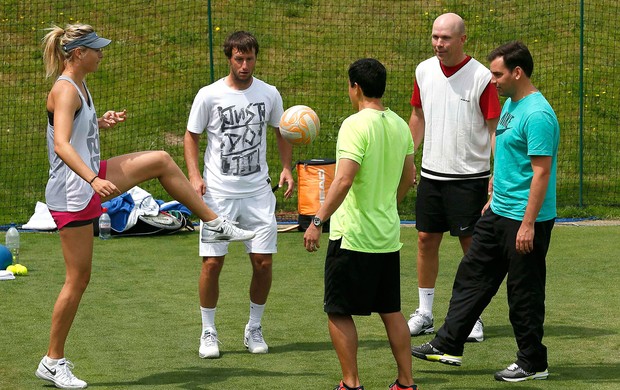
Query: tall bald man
(455, 113)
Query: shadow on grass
(593, 374)
(197, 377)
(551, 330)
(596, 374)
(326, 346)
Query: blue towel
(119, 209)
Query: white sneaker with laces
(60, 375)
(420, 323)
(226, 231)
(254, 341)
(208, 345)
(477, 332)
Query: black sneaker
(514, 373)
(428, 352)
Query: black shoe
(514, 373)
(428, 352)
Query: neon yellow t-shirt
(367, 220)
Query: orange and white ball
(299, 125)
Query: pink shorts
(85, 216)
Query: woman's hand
(111, 118)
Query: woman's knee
(162, 159)
(78, 283)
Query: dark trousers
(491, 257)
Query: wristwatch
(316, 221)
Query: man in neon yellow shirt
(374, 170)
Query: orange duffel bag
(314, 178)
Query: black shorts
(358, 283)
(453, 205)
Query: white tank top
(65, 190)
(457, 143)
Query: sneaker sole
(475, 339)
(256, 351)
(445, 358)
(423, 332)
(207, 356)
(212, 355)
(232, 239)
(43, 376)
(537, 376)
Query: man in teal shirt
(512, 236)
(374, 170)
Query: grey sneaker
(514, 373)
(428, 352)
(254, 341)
(420, 323)
(226, 231)
(60, 375)
(208, 345)
(477, 332)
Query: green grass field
(139, 324)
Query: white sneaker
(477, 332)
(254, 341)
(208, 345)
(420, 323)
(226, 231)
(60, 374)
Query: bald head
(448, 39)
(451, 22)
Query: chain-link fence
(164, 51)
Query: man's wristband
(92, 180)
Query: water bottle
(12, 242)
(105, 225)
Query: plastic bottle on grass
(105, 225)
(12, 242)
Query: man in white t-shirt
(455, 112)
(235, 112)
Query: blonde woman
(79, 181)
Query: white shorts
(256, 213)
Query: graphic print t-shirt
(236, 121)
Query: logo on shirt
(92, 142)
(504, 123)
(242, 130)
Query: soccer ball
(299, 125)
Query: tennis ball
(20, 270)
(12, 268)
